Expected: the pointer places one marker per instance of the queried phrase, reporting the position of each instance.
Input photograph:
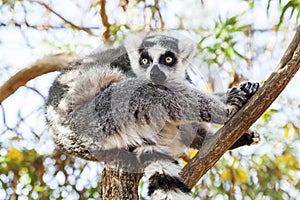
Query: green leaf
(294, 5)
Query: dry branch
(40, 67)
(156, 3)
(87, 30)
(242, 121)
(104, 19)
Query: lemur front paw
(238, 96)
(249, 88)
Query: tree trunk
(117, 184)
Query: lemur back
(127, 103)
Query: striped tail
(162, 172)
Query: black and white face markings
(158, 57)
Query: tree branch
(40, 67)
(241, 122)
(41, 27)
(104, 19)
(156, 3)
(64, 19)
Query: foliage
(25, 173)
(255, 177)
(222, 34)
(292, 5)
(231, 47)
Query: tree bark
(242, 120)
(117, 184)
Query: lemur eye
(145, 61)
(169, 59)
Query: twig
(64, 19)
(36, 91)
(41, 27)
(104, 19)
(159, 15)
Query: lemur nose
(156, 75)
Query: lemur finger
(249, 88)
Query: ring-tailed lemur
(134, 105)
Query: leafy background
(237, 40)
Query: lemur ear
(187, 49)
(132, 44)
(133, 41)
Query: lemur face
(160, 58)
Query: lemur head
(159, 57)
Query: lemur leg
(251, 137)
(162, 172)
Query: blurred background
(237, 40)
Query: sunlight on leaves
(15, 154)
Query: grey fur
(103, 108)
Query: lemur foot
(251, 137)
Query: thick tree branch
(241, 122)
(40, 67)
